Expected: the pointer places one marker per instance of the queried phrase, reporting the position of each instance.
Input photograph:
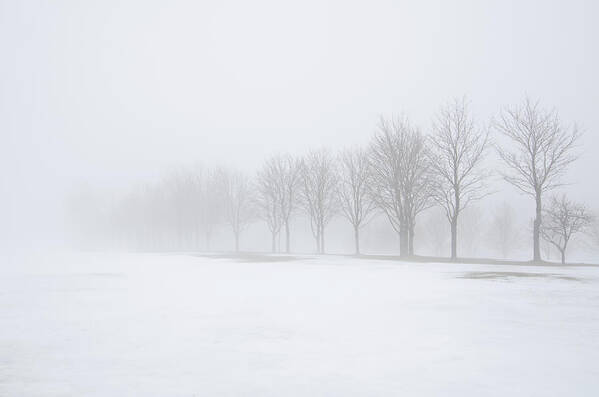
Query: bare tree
(268, 201)
(562, 220)
(400, 182)
(457, 150)
(354, 175)
(417, 181)
(504, 233)
(239, 211)
(542, 150)
(286, 172)
(170, 214)
(319, 184)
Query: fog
(107, 97)
(276, 198)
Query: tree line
(400, 173)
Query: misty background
(109, 96)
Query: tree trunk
(357, 239)
(454, 237)
(403, 241)
(563, 252)
(322, 240)
(317, 237)
(274, 242)
(454, 218)
(537, 230)
(237, 242)
(411, 240)
(287, 244)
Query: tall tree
(319, 185)
(416, 180)
(562, 220)
(239, 211)
(354, 175)
(286, 171)
(457, 151)
(268, 201)
(540, 152)
(400, 180)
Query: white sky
(115, 92)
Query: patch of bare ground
(511, 275)
(474, 261)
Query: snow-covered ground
(183, 325)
